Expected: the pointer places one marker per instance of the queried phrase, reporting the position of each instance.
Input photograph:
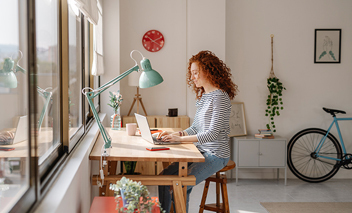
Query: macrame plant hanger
(272, 74)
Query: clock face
(153, 41)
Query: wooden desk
(133, 148)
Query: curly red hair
(216, 72)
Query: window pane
(75, 69)
(47, 77)
(14, 164)
(87, 76)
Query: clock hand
(158, 38)
(150, 38)
(157, 43)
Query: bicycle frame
(335, 121)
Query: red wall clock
(153, 41)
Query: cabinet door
(272, 153)
(132, 119)
(248, 155)
(172, 122)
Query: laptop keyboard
(157, 140)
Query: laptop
(146, 134)
(18, 135)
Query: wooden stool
(220, 180)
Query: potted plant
(135, 196)
(274, 101)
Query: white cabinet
(250, 152)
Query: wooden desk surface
(133, 148)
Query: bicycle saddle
(333, 111)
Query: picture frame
(327, 46)
(237, 120)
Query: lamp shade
(8, 79)
(149, 77)
(7, 76)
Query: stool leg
(225, 198)
(218, 191)
(204, 197)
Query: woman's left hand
(171, 138)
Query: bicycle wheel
(301, 157)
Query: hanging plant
(274, 101)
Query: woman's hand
(171, 138)
(162, 134)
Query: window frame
(41, 177)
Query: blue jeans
(201, 171)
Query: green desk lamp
(47, 97)
(148, 78)
(7, 73)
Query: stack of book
(264, 134)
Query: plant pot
(130, 166)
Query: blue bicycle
(315, 155)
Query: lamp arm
(47, 96)
(94, 93)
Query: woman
(210, 79)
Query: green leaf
(322, 54)
(332, 55)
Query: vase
(115, 122)
(130, 166)
(124, 201)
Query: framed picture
(327, 47)
(237, 120)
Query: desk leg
(180, 191)
(112, 167)
(178, 197)
(183, 168)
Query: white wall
(111, 51)
(309, 86)
(169, 17)
(247, 25)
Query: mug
(131, 129)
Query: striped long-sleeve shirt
(211, 123)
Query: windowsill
(66, 191)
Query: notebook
(146, 134)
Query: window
(14, 172)
(45, 114)
(75, 77)
(48, 78)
